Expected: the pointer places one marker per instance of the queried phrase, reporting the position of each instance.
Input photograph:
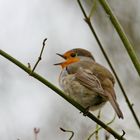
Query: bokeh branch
(88, 21)
(69, 131)
(61, 93)
(36, 132)
(122, 35)
(99, 128)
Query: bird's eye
(73, 55)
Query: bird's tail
(112, 99)
(115, 105)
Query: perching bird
(86, 81)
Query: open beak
(62, 57)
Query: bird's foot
(85, 112)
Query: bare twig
(39, 58)
(29, 65)
(88, 21)
(69, 131)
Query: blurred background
(25, 103)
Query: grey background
(25, 103)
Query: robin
(87, 82)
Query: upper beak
(60, 56)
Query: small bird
(87, 82)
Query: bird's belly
(81, 94)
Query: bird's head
(73, 56)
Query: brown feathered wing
(89, 80)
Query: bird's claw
(85, 112)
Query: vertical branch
(128, 46)
(88, 21)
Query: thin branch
(97, 129)
(93, 9)
(39, 58)
(61, 93)
(69, 131)
(128, 46)
(87, 19)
